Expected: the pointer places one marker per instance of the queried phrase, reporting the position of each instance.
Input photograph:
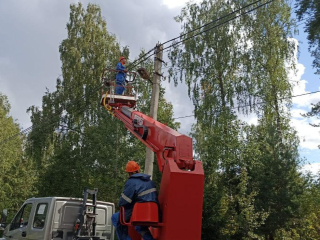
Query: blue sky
(308, 151)
(306, 59)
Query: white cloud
(304, 101)
(299, 84)
(250, 118)
(4, 89)
(177, 3)
(155, 33)
(4, 61)
(309, 136)
(313, 168)
(182, 105)
(297, 113)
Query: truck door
(20, 223)
(39, 221)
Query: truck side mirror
(3, 218)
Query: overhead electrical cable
(211, 22)
(206, 30)
(176, 69)
(45, 121)
(144, 58)
(218, 25)
(244, 106)
(31, 127)
(133, 65)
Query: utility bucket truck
(180, 195)
(182, 183)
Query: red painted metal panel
(182, 183)
(134, 235)
(145, 212)
(181, 196)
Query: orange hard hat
(132, 166)
(121, 58)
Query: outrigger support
(85, 226)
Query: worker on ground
(121, 75)
(138, 188)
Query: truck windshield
(22, 218)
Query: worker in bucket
(138, 188)
(121, 75)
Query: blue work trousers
(120, 86)
(122, 231)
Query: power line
(23, 131)
(218, 25)
(209, 29)
(143, 60)
(16, 135)
(136, 64)
(216, 20)
(60, 110)
(299, 95)
(176, 69)
(77, 101)
(202, 26)
(172, 45)
(31, 127)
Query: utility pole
(154, 103)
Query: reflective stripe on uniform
(126, 198)
(143, 233)
(147, 192)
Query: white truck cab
(54, 218)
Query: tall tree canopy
(242, 67)
(16, 172)
(253, 189)
(309, 10)
(64, 142)
(75, 141)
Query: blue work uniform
(120, 78)
(138, 188)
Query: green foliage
(75, 141)
(209, 61)
(270, 58)
(308, 223)
(16, 171)
(230, 211)
(253, 187)
(277, 179)
(309, 10)
(315, 112)
(276, 176)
